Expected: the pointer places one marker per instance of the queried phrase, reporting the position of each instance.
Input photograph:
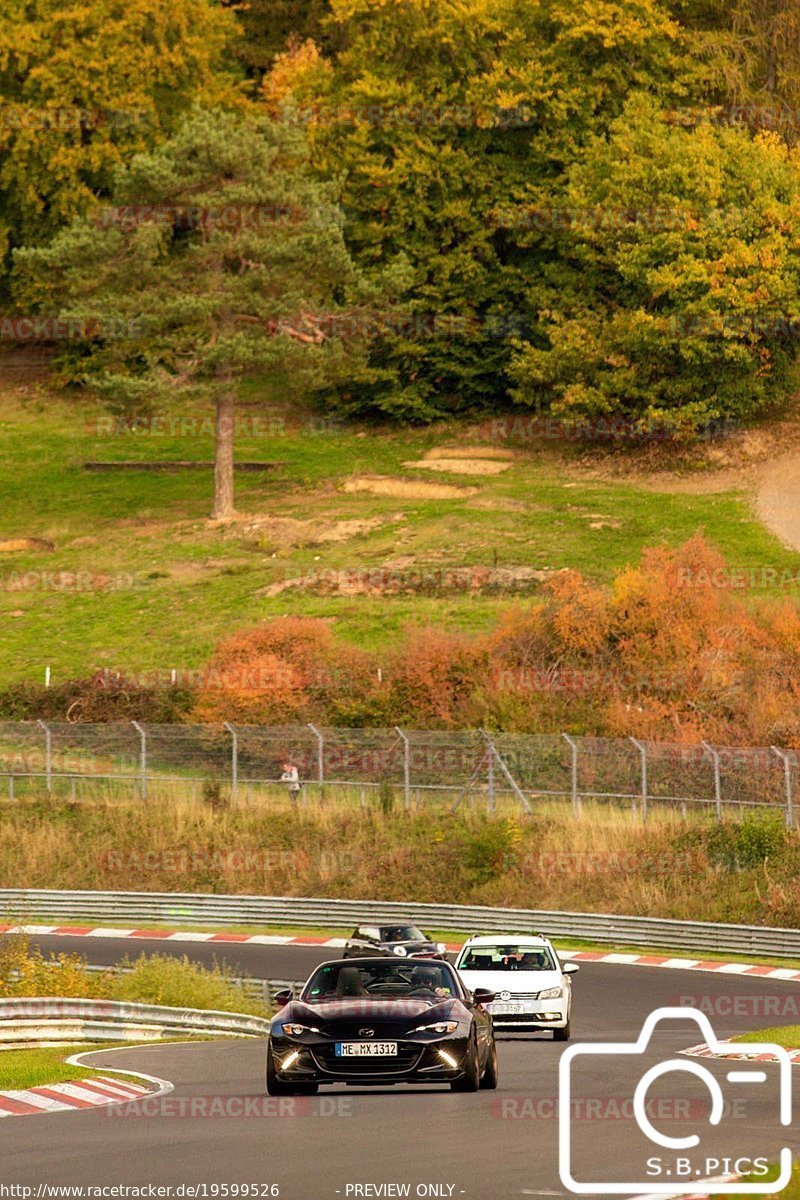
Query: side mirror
(284, 997)
(570, 968)
(483, 996)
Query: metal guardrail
(186, 909)
(382, 767)
(50, 1018)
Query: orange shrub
(432, 676)
(281, 672)
(666, 652)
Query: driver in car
(427, 979)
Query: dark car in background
(400, 938)
(382, 1021)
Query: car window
(427, 980)
(401, 933)
(507, 957)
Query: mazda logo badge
(366, 1033)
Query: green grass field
(35, 1067)
(781, 1035)
(197, 580)
(792, 1192)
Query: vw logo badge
(505, 995)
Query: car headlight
(401, 950)
(440, 1027)
(295, 1030)
(552, 994)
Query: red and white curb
(276, 939)
(65, 1097)
(682, 964)
(171, 935)
(739, 1050)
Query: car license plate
(506, 1009)
(366, 1049)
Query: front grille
(351, 1031)
(516, 997)
(405, 1060)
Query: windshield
(508, 957)
(337, 980)
(401, 933)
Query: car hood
(512, 981)
(411, 947)
(369, 1008)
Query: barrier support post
(576, 804)
(48, 755)
(142, 758)
(406, 766)
(498, 758)
(643, 752)
(717, 781)
(320, 758)
(787, 776)
(234, 759)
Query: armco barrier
(131, 909)
(39, 1019)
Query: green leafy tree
(270, 26)
(445, 118)
(84, 84)
(750, 55)
(222, 259)
(675, 297)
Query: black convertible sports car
(380, 1021)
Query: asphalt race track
(217, 1126)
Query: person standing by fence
(291, 777)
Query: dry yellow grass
(605, 861)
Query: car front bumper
(544, 1014)
(416, 1062)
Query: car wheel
(276, 1087)
(490, 1073)
(562, 1035)
(471, 1079)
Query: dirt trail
(778, 499)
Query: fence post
(406, 765)
(500, 761)
(576, 804)
(234, 759)
(320, 757)
(717, 782)
(787, 775)
(490, 783)
(48, 755)
(143, 758)
(643, 751)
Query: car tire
(562, 1035)
(470, 1081)
(489, 1078)
(277, 1087)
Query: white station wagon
(533, 989)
